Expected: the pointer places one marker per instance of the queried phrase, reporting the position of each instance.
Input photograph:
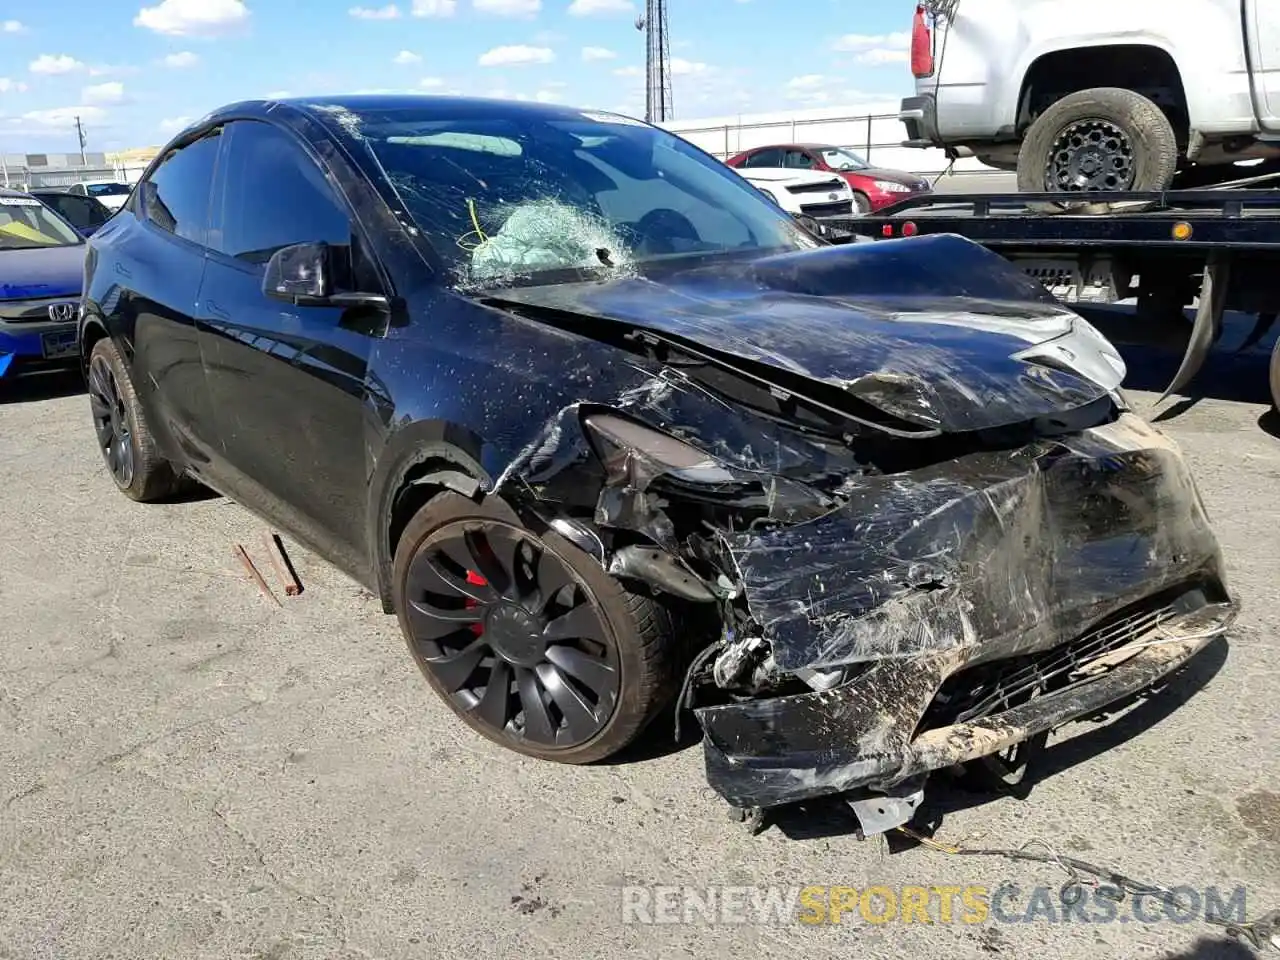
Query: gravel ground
(187, 770)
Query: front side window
(26, 223)
(517, 197)
(799, 160)
(274, 196)
(176, 195)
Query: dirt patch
(1260, 812)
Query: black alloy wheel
(525, 635)
(111, 420)
(1091, 154)
(511, 635)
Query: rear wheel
(526, 637)
(124, 436)
(1104, 139)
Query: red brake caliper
(475, 580)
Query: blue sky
(135, 73)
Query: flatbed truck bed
(1219, 248)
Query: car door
(155, 266)
(1264, 49)
(287, 382)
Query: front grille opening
(990, 688)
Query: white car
(111, 193)
(808, 192)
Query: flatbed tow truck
(1217, 249)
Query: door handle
(216, 310)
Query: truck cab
(1094, 95)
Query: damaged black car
(609, 432)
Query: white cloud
(854, 42)
(55, 63)
(193, 18)
(64, 116)
(111, 92)
(808, 88)
(178, 60)
(684, 68)
(631, 71)
(406, 56)
(508, 8)
(173, 124)
(389, 12)
(12, 86)
(12, 26)
(517, 55)
(435, 8)
(110, 69)
(431, 83)
(598, 53)
(277, 95)
(878, 56)
(806, 82)
(587, 8)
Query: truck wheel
(1275, 376)
(1101, 139)
(526, 638)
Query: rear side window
(80, 211)
(176, 195)
(274, 195)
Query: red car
(873, 187)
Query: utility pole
(657, 66)
(83, 141)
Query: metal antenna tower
(657, 66)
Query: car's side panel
(287, 381)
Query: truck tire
(1106, 138)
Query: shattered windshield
(522, 196)
(840, 159)
(26, 223)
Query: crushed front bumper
(770, 752)
(967, 607)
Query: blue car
(41, 273)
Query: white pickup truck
(1098, 94)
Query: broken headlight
(615, 437)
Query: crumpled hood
(42, 272)
(936, 331)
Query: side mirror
(304, 274)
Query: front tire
(1104, 139)
(124, 437)
(861, 204)
(525, 637)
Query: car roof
(9, 192)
